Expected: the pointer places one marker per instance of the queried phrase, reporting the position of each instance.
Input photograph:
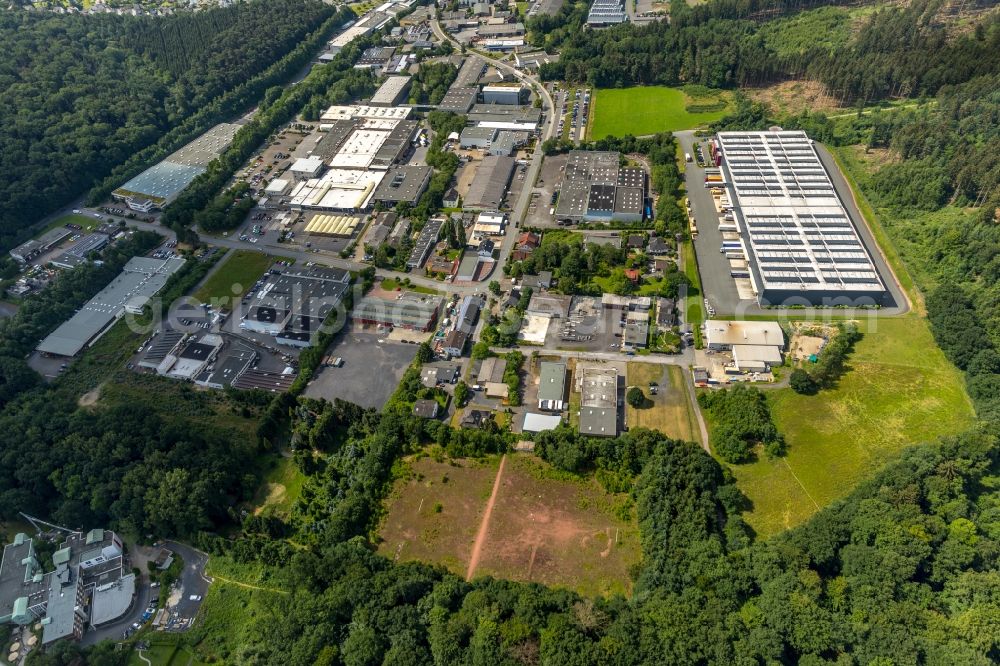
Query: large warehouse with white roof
(801, 244)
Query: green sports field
(652, 109)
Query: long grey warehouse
(140, 280)
(801, 244)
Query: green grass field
(391, 284)
(240, 269)
(88, 222)
(669, 411)
(281, 487)
(900, 390)
(648, 110)
(237, 593)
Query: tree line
(81, 95)
(899, 51)
(903, 570)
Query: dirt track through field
(477, 546)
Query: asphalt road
(192, 579)
(114, 630)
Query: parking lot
(371, 370)
(717, 283)
(549, 179)
(587, 327)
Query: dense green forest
(80, 95)
(898, 51)
(902, 571)
(431, 82)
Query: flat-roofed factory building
(161, 183)
(292, 305)
(403, 183)
(410, 310)
(393, 91)
(490, 183)
(596, 189)
(801, 244)
(140, 280)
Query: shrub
(802, 382)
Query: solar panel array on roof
(800, 237)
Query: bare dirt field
(792, 97)
(544, 526)
(558, 531)
(414, 528)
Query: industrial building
(161, 183)
(393, 91)
(464, 90)
(800, 243)
(28, 250)
(458, 100)
(293, 304)
(305, 168)
(604, 13)
(723, 335)
(410, 310)
(500, 30)
(756, 345)
(477, 137)
(190, 357)
(364, 27)
(490, 184)
(468, 314)
(230, 366)
(504, 93)
(636, 333)
(380, 228)
(334, 226)
(275, 382)
(88, 585)
(598, 388)
(375, 57)
(425, 242)
(506, 116)
(344, 190)
(596, 189)
(403, 184)
(539, 422)
(506, 143)
(552, 386)
(140, 279)
(489, 224)
(492, 370)
(470, 72)
(348, 112)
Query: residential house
(527, 243)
